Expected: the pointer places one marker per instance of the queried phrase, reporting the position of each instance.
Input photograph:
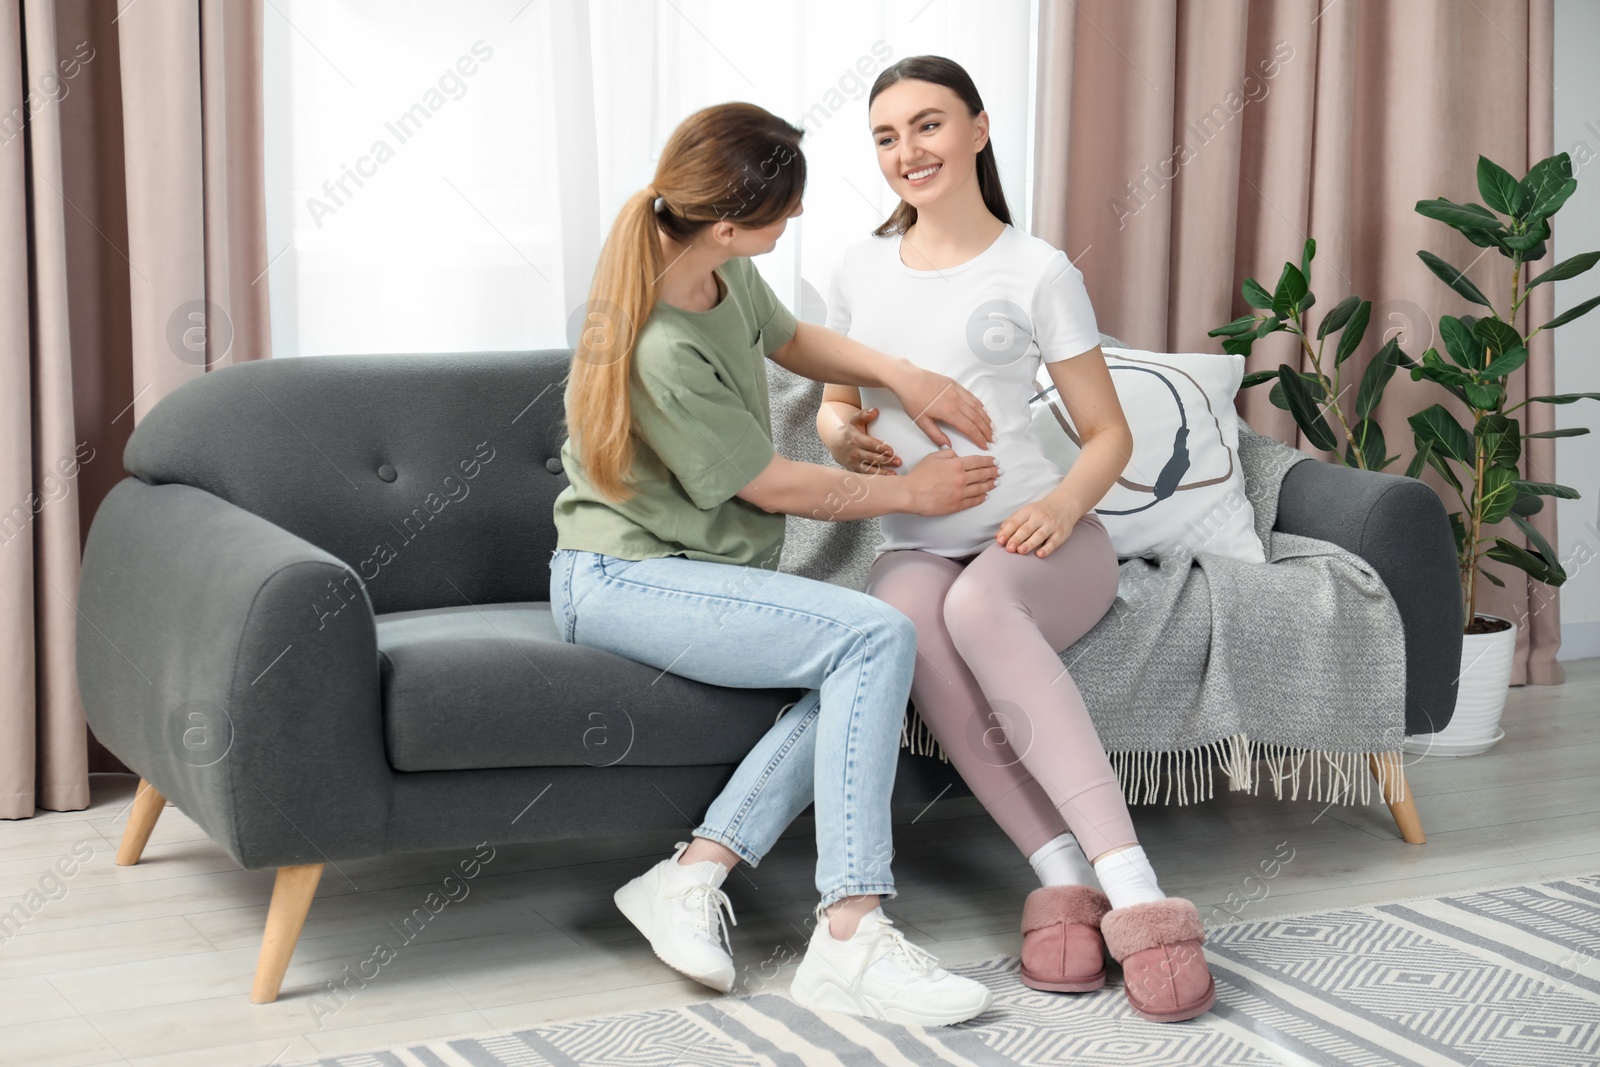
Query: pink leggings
(991, 686)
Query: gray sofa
(315, 618)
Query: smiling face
(927, 143)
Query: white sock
(1060, 861)
(1127, 877)
(705, 871)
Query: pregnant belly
(1027, 475)
(895, 428)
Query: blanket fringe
(1331, 776)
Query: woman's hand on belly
(1039, 526)
(855, 449)
(931, 398)
(904, 438)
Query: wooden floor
(151, 965)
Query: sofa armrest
(234, 666)
(1400, 527)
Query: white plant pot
(1480, 697)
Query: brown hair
(946, 72)
(731, 161)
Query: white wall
(1577, 132)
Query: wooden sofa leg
(147, 805)
(291, 899)
(1397, 794)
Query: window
(440, 177)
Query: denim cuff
(730, 841)
(885, 890)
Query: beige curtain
(1184, 145)
(132, 224)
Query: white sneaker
(679, 909)
(880, 975)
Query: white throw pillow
(1184, 485)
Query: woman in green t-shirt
(668, 544)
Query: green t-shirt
(702, 431)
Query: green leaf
(1564, 492)
(1499, 439)
(1497, 186)
(1461, 216)
(1570, 267)
(1504, 364)
(1437, 370)
(1353, 331)
(1276, 394)
(1256, 296)
(1454, 279)
(1338, 316)
(1489, 576)
(1369, 436)
(1525, 242)
(1495, 335)
(1437, 425)
(1497, 491)
(1376, 377)
(1542, 182)
(1536, 539)
(1304, 408)
(1485, 396)
(1551, 201)
(1563, 398)
(1291, 290)
(1414, 468)
(1238, 346)
(1242, 325)
(1438, 463)
(1572, 313)
(1305, 258)
(1503, 551)
(1565, 431)
(1464, 348)
(1488, 238)
(1527, 504)
(1270, 325)
(1256, 377)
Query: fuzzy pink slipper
(1163, 966)
(1062, 950)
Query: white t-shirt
(987, 323)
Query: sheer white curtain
(440, 177)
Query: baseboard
(1579, 640)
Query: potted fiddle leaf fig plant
(1479, 461)
(1311, 395)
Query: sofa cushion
(495, 686)
(1183, 489)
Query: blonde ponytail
(621, 297)
(715, 166)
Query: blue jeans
(749, 627)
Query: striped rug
(1505, 977)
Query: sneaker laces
(895, 945)
(706, 904)
(918, 959)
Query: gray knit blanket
(1292, 670)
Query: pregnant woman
(668, 544)
(997, 591)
